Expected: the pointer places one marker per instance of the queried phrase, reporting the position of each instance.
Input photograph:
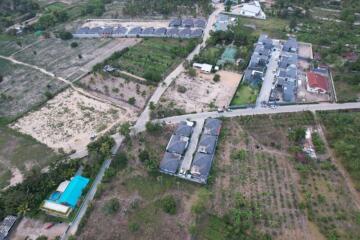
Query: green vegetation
(26, 198)
(245, 95)
(162, 110)
(111, 207)
(318, 143)
(168, 204)
(152, 59)
(343, 134)
(165, 7)
(209, 55)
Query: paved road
(145, 115)
(258, 111)
(186, 162)
(267, 84)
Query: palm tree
(23, 208)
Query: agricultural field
(245, 95)
(120, 90)
(140, 193)
(23, 88)
(153, 58)
(202, 93)
(10, 44)
(57, 56)
(254, 175)
(68, 121)
(19, 153)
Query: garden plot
(201, 93)
(69, 120)
(22, 88)
(119, 90)
(59, 57)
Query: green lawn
(245, 95)
(154, 58)
(273, 26)
(209, 55)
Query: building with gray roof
(177, 144)
(170, 163)
(188, 23)
(184, 129)
(289, 93)
(291, 45)
(119, 31)
(107, 31)
(185, 33)
(6, 226)
(160, 31)
(201, 166)
(197, 33)
(175, 22)
(212, 127)
(287, 60)
(172, 32)
(199, 23)
(148, 31)
(207, 144)
(266, 41)
(134, 32)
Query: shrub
(181, 89)
(216, 78)
(65, 35)
(74, 44)
(153, 127)
(111, 207)
(168, 204)
(120, 161)
(144, 155)
(133, 227)
(132, 100)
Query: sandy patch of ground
(16, 177)
(114, 23)
(119, 90)
(305, 50)
(31, 229)
(69, 120)
(202, 90)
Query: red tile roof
(317, 81)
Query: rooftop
(201, 166)
(316, 80)
(212, 127)
(184, 129)
(6, 226)
(177, 144)
(207, 144)
(170, 163)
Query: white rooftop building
(251, 9)
(204, 67)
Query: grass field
(23, 88)
(245, 95)
(343, 132)
(22, 152)
(273, 26)
(154, 58)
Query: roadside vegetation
(343, 134)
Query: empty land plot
(57, 56)
(19, 153)
(140, 195)
(272, 25)
(11, 44)
(69, 120)
(119, 90)
(153, 58)
(201, 92)
(245, 94)
(324, 197)
(22, 88)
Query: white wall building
(251, 9)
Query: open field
(57, 56)
(19, 153)
(201, 92)
(245, 95)
(343, 132)
(69, 120)
(139, 193)
(118, 90)
(346, 91)
(272, 26)
(22, 88)
(10, 44)
(153, 58)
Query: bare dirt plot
(202, 90)
(305, 51)
(69, 120)
(119, 90)
(30, 228)
(57, 56)
(22, 88)
(140, 215)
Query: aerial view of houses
(179, 119)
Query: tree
(42, 237)
(125, 129)
(191, 72)
(153, 127)
(120, 161)
(1, 78)
(132, 101)
(168, 204)
(65, 35)
(144, 155)
(74, 44)
(216, 78)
